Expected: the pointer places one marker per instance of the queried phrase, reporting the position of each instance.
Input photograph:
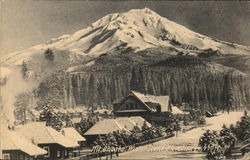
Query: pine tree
(228, 93)
(24, 69)
(49, 55)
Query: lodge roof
(139, 121)
(43, 134)
(72, 134)
(13, 140)
(148, 100)
(104, 127)
(110, 125)
(176, 110)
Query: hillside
(138, 50)
(138, 29)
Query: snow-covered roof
(104, 127)
(78, 109)
(126, 122)
(70, 110)
(61, 110)
(110, 125)
(176, 110)
(162, 100)
(139, 121)
(103, 111)
(72, 134)
(76, 120)
(13, 140)
(44, 134)
(35, 112)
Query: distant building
(138, 104)
(14, 146)
(106, 126)
(56, 145)
(155, 109)
(73, 135)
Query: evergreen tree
(21, 105)
(136, 135)
(24, 69)
(228, 92)
(49, 55)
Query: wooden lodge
(57, 145)
(155, 109)
(14, 146)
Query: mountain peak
(146, 10)
(138, 29)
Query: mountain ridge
(139, 29)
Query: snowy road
(183, 144)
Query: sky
(25, 23)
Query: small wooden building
(73, 135)
(14, 146)
(106, 126)
(56, 145)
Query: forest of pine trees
(195, 86)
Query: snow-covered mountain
(138, 29)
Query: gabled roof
(104, 127)
(126, 122)
(110, 125)
(149, 101)
(139, 121)
(12, 140)
(44, 134)
(162, 100)
(176, 110)
(72, 134)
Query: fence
(125, 149)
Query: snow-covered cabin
(106, 126)
(14, 146)
(56, 145)
(138, 104)
(73, 135)
(155, 109)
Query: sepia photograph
(124, 80)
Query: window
(58, 153)
(48, 152)
(6, 156)
(21, 157)
(133, 106)
(127, 106)
(66, 153)
(26, 157)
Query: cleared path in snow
(180, 148)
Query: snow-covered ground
(180, 147)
